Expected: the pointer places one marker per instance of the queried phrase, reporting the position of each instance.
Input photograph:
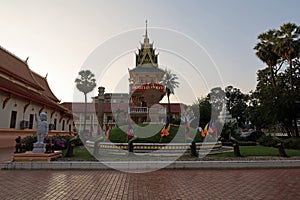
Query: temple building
(145, 86)
(141, 104)
(23, 94)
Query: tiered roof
(146, 54)
(146, 57)
(14, 67)
(42, 81)
(17, 79)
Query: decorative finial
(146, 39)
(146, 35)
(46, 76)
(27, 59)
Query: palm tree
(265, 51)
(288, 46)
(85, 84)
(170, 82)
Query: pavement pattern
(6, 153)
(162, 184)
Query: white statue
(42, 127)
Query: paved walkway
(6, 153)
(163, 184)
(174, 182)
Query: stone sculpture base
(39, 148)
(29, 156)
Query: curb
(149, 165)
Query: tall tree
(254, 111)
(202, 110)
(265, 51)
(85, 84)
(170, 81)
(277, 90)
(236, 103)
(289, 49)
(217, 99)
(288, 45)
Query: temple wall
(20, 105)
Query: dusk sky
(206, 43)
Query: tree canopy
(275, 103)
(85, 84)
(170, 81)
(277, 95)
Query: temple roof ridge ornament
(146, 54)
(146, 39)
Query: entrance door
(31, 116)
(55, 122)
(13, 119)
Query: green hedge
(292, 143)
(268, 141)
(28, 142)
(151, 134)
(271, 141)
(59, 141)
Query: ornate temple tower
(145, 79)
(146, 69)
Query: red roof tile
(16, 68)
(18, 90)
(20, 81)
(42, 81)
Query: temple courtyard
(253, 182)
(161, 184)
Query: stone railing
(154, 147)
(137, 110)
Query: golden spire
(146, 39)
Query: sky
(206, 43)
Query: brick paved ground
(164, 184)
(6, 153)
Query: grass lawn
(81, 153)
(258, 151)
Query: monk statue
(42, 127)
(42, 131)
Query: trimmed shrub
(59, 141)
(198, 137)
(176, 121)
(292, 143)
(151, 134)
(77, 141)
(28, 141)
(268, 141)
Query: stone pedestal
(29, 156)
(39, 148)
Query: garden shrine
(145, 88)
(144, 110)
